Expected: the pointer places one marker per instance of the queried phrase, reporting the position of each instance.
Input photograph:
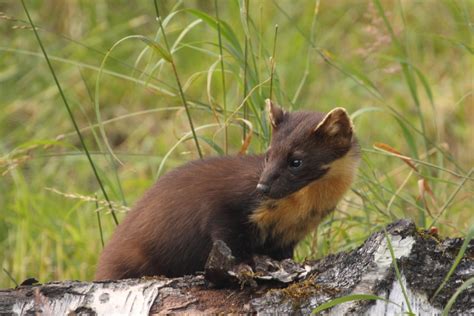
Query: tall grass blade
(10, 276)
(94, 68)
(452, 196)
(458, 258)
(79, 134)
(180, 88)
(226, 31)
(349, 298)
(365, 110)
(224, 94)
(408, 137)
(469, 282)
(311, 46)
(406, 70)
(245, 23)
(96, 137)
(99, 222)
(218, 149)
(156, 47)
(212, 103)
(184, 138)
(97, 93)
(272, 63)
(397, 272)
(421, 162)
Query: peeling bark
(276, 287)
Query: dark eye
(295, 163)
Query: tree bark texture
(270, 286)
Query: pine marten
(263, 204)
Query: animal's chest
(290, 219)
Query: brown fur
(289, 219)
(255, 204)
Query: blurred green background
(403, 69)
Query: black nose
(263, 188)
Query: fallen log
(268, 286)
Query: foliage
(403, 69)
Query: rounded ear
(275, 113)
(336, 123)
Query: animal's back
(169, 231)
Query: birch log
(279, 287)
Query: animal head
(305, 146)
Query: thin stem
(246, 110)
(397, 271)
(273, 61)
(221, 57)
(99, 222)
(451, 198)
(180, 88)
(96, 137)
(81, 139)
(417, 161)
(407, 69)
(260, 45)
(9, 275)
(311, 45)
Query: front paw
(222, 269)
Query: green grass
(143, 103)
(348, 298)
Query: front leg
(282, 253)
(235, 235)
(222, 268)
(276, 251)
(230, 257)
